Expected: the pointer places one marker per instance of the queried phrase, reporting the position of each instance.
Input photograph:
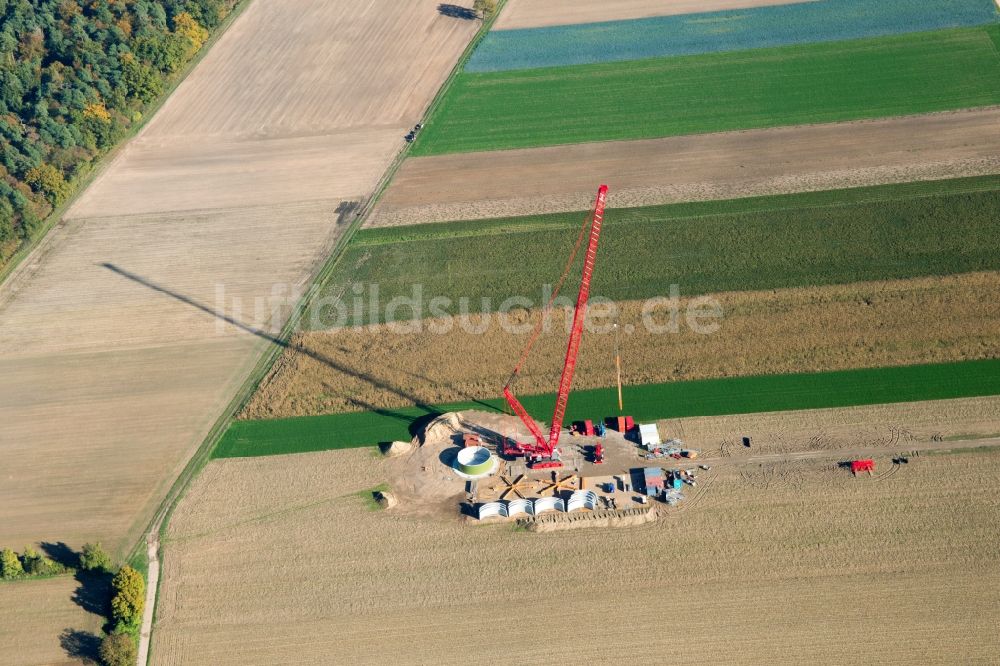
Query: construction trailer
(649, 436)
(653, 480)
(622, 424)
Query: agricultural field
(830, 237)
(42, 622)
(518, 14)
(672, 96)
(904, 564)
(725, 165)
(806, 329)
(131, 329)
(710, 32)
(708, 397)
(322, 120)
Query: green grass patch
(772, 242)
(963, 450)
(712, 397)
(967, 436)
(812, 83)
(368, 496)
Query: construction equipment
(598, 454)
(866, 465)
(622, 424)
(544, 453)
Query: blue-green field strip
(732, 30)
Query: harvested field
(838, 556)
(280, 112)
(535, 14)
(116, 352)
(718, 31)
(673, 96)
(692, 168)
(926, 320)
(41, 624)
(897, 426)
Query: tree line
(75, 76)
(125, 605)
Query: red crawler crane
(543, 453)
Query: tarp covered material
(492, 510)
(649, 436)
(543, 504)
(582, 499)
(520, 507)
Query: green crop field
(739, 395)
(813, 83)
(810, 239)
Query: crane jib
(543, 447)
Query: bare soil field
(895, 426)
(540, 13)
(299, 100)
(785, 563)
(123, 338)
(792, 330)
(40, 623)
(692, 168)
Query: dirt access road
(126, 334)
(692, 168)
(541, 13)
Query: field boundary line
(161, 517)
(98, 168)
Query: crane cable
(548, 306)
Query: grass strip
(713, 397)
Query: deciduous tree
(118, 650)
(48, 180)
(485, 7)
(10, 566)
(129, 591)
(93, 558)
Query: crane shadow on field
(456, 11)
(430, 412)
